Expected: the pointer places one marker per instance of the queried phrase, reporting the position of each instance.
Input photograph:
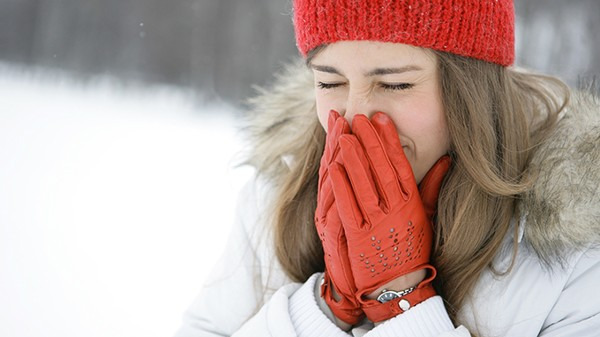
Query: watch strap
(377, 311)
(396, 293)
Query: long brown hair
(496, 118)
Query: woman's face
(363, 77)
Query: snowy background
(119, 141)
(111, 198)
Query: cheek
(425, 124)
(322, 115)
(443, 135)
(323, 106)
(439, 131)
(424, 131)
(327, 101)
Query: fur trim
(562, 209)
(280, 119)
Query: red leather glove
(338, 273)
(387, 225)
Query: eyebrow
(374, 72)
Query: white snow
(115, 201)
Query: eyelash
(390, 87)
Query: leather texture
(338, 274)
(387, 225)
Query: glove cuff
(377, 311)
(344, 309)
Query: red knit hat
(481, 29)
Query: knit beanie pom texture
(481, 29)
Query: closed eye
(397, 86)
(323, 85)
(391, 87)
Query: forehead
(368, 54)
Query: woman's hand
(338, 289)
(387, 224)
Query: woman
(411, 183)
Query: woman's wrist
(403, 282)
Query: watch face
(387, 296)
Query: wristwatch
(392, 303)
(388, 295)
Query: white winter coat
(248, 294)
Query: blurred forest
(220, 48)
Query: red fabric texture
(481, 29)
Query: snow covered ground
(114, 202)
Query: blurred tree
(559, 37)
(222, 47)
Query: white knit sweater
(248, 294)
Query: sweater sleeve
(293, 311)
(247, 293)
(426, 319)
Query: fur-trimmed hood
(562, 211)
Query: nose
(358, 103)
